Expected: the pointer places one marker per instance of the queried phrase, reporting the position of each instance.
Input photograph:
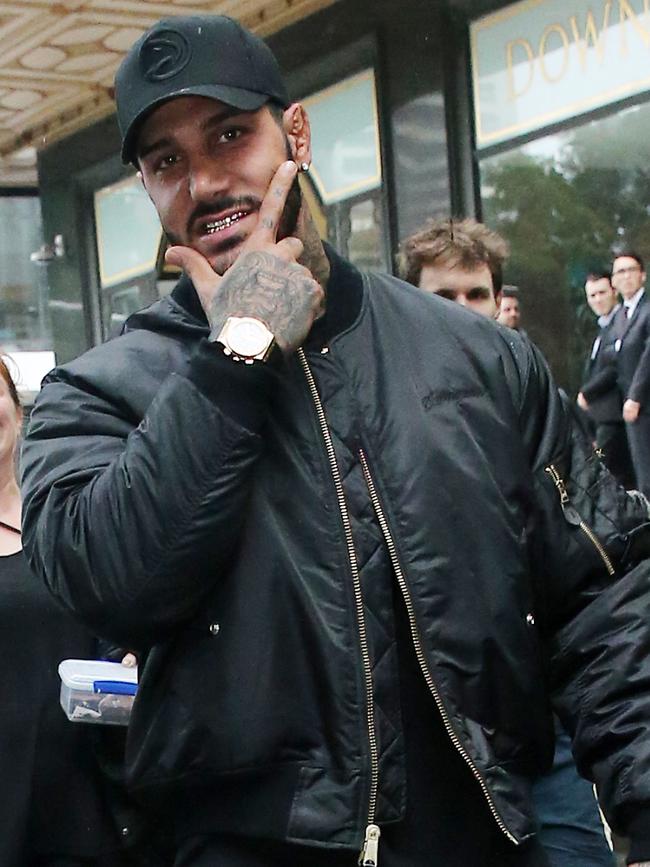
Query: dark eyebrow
(222, 114)
(154, 146)
(166, 141)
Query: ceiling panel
(58, 61)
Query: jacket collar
(631, 304)
(603, 321)
(344, 298)
(343, 303)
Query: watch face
(248, 337)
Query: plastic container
(94, 691)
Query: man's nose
(206, 179)
(461, 298)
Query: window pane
(119, 302)
(565, 202)
(24, 312)
(128, 232)
(344, 185)
(365, 242)
(345, 138)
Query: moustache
(222, 203)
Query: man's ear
(296, 126)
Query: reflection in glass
(345, 138)
(343, 187)
(24, 307)
(128, 231)
(421, 168)
(565, 203)
(129, 235)
(365, 242)
(119, 304)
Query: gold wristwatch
(246, 339)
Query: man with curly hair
(461, 260)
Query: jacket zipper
(392, 550)
(573, 517)
(369, 851)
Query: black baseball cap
(207, 55)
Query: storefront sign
(541, 61)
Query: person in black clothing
(64, 804)
(599, 396)
(633, 360)
(338, 514)
(54, 809)
(466, 254)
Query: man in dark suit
(509, 313)
(633, 360)
(599, 395)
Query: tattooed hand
(266, 281)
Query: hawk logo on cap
(164, 54)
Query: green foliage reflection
(565, 204)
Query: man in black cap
(356, 560)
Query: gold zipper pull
(573, 517)
(558, 481)
(570, 513)
(370, 853)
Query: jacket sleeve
(600, 383)
(128, 521)
(640, 386)
(590, 551)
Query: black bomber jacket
(211, 512)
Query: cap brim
(237, 97)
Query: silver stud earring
(304, 167)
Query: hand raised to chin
(266, 281)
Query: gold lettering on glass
(513, 92)
(627, 13)
(552, 77)
(592, 37)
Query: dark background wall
(407, 43)
(69, 171)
